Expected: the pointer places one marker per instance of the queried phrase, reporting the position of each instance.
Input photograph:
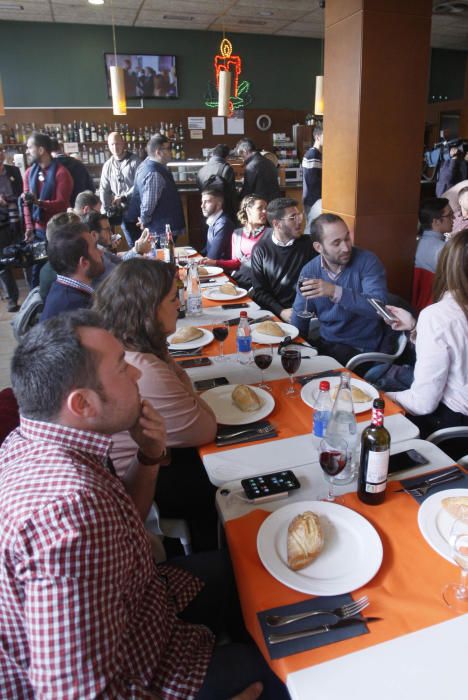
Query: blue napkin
(412, 483)
(278, 651)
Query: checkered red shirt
(84, 611)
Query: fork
(259, 431)
(341, 613)
(422, 490)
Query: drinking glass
(182, 261)
(333, 455)
(455, 595)
(291, 361)
(263, 357)
(305, 313)
(221, 332)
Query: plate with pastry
(189, 338)
(236, 404)
(319, 548)
(225, 292)
(363, 393)
(185, 250)
(272, 332)
(435, 518)
(209, 271)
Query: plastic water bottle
(244, 340)
(194, 297)
(322, 410)
(343, 424)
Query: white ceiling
(302, 18)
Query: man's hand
(143, 244)
(453, 151)
(150, 431)
(208, 261)
(3, 202)
(404, 322)
(317, 288)
(286, 315)
(140, 224)
(29, 235)
(251, 693)
(116, 201)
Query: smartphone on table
(194, 362)
(270, 486)
(205, 384)
(234, 306)
(406, 460)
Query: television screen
(146, 75)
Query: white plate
(215, 295)
(211, 271)
(310, 391)
(200, 342)
(227, 413)
(435, 523)
(351, 556)
(264, 338)
(186, 250)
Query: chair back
(422, 288)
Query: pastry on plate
(305, 540)
(454, 504)
(228, 288)
(186, 335)
(202, 271)
(246, 399)
(359, 396)
(270, 328)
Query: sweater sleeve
(28, 223)
(263, 294)
(63, 190)
(373, 283)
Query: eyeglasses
(447, 216)
(293, 217)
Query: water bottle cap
(324, 386)
(243, 313)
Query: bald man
(116, 188)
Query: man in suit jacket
(260, 175)
(11, 187)
(220, 227)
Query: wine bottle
(169, 250)
(181, 295)
(375, 453)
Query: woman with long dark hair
(139, 304)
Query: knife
(306, 378)
(424, 481)
(276, 638)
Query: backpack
(29, 314)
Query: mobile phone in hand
(382, 310)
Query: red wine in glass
(333, 462)
(263, 360)
(291, 361)
(220, 333)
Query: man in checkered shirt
(84, 610)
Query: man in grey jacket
(116, 187)
(260, 175)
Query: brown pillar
(376, 75)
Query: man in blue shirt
(340, 280)
(436, 219)
(220, 227)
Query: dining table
(416, 646)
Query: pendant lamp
(318, 109)
(224, 93)
(119, 100)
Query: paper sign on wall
(218, 126)
(235, 125)
(196, 122)
(196, 133)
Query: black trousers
(443, 417)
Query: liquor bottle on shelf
(84, 154)
(181, 131)
(161, 129)
(92, 157)
(102, 156)
(342, 424)
(194, 297)
(93, 132)
(375, 454)
(87, 131)
(173, 150)
(147, 133)
(182, 152)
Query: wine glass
(305, 313)
(291, 361)
(333, 455)
(182, 261)
(455, 595)
(221, 332)
(263, 357)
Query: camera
(115, 211)
(29, 198)
(22, 254)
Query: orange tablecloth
(291, 416)
(406, 592)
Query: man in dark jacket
(218, 169)
(82, 179)
(11, 186)
(260, 175)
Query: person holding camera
(47, 190)
(11, 187)
(116, 187)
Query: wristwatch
(149, 461)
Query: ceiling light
(10, 6)
(96, 2)
(266, 13)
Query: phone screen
(195, 362)
(406, 460)
(269, 484)
(382, 310)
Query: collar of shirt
(82, 440)
(254, 233)
(210, 220)
(69, 282)
(333, 274)
(279, 243)
(428, 233)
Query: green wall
(62, 65)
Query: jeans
(234, 666)
(7, 277)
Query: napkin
(295, 646)
(416, 481)
(251, 433)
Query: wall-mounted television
(146, 75)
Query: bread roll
(228, 288)
(246, 399)
(359, 396)
(270, 328)
(185, 335)
(456, 505)
(305, 540)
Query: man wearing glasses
(278, 258)
(116, 187)
(156, 201)
(436, 219)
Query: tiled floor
(7, 340)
